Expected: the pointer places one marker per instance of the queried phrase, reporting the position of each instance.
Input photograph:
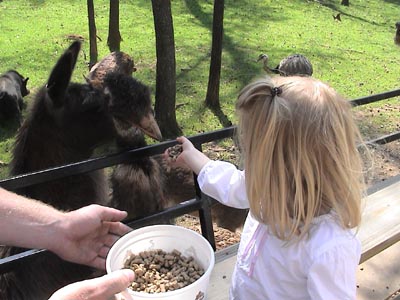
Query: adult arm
(82, 236)
(100, 288)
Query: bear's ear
(61, 74)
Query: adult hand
(101, 288)
(87, 234)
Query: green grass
(357, 56)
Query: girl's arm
(225, 183)
(190, 156)
(218, 179)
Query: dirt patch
(385, 162)
(223, 237)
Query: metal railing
(201, 202)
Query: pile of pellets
(175, 151)
(158, 271)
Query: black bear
(12, 90)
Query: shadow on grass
(393, 1)
(7, 133)
(338, 8)
(237, 54)
(223, 119)
(37, 2)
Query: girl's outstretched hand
(189, 156)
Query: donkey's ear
(24, 88)
(61, 74)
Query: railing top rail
(93, 164)
(375, 97)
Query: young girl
(303, 185)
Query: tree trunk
(212, 97)
(166, 69)
(92, 34)
(345, 2)
(114, 36)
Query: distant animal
(397, 34)
(295, 64)
(67, 121)
(337, 17)
(265, 60)
(75, 37)
(13, 87)
(119, 62)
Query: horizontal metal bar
(167, 214)
(7, 264)
(385, 139)
(93, 164)
(375, 98)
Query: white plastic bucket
(167, 238)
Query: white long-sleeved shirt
(320, 266)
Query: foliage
(357, 55)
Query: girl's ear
(61, 74)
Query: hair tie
(276, 91)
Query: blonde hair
(299, 142)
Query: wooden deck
(380, 228)
(220, 279)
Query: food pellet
(158, 271)
(174, 152)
